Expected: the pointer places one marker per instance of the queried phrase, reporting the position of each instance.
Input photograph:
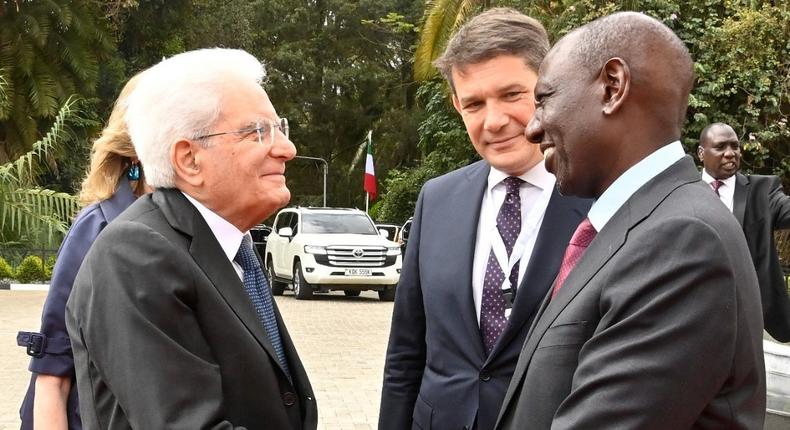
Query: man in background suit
(761, 207)
(654, 321)
(171, 320)
(460, 319)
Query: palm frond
(49, 49)
(42, 91)
(442, 19)
(22, 171)
(5, 102)
(34, 210)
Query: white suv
(323, 249)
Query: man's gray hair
(495, 32)
(180, 98)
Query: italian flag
(370, 174)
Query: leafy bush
(6, 271)
(31, 269)
(49, 265)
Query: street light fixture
(326, 169)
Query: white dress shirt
(726, 189)
(631, 181)
(228, 236)
(535, 194)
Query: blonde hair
(112, 154)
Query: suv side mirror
(384, 233)
(286, 232)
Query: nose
(495, 118)
(283, 148)
(534, 130)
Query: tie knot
(716, 184)
(245, 256)
(512, 184)
(584, 234)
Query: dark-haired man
(654, 320)
(485, 243)
(761, 207)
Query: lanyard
(528, 229)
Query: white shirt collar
(228, 236)
(726, 191)
(631, 181)
(708, 179)
(537, 176)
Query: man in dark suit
(171, 320)
(485, 243)
(761, 207)
(654, 320)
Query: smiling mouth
(502, 141)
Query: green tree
(337, 69)
(49, 50)
(742, 64)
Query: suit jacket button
(289, 398)
(485, 377)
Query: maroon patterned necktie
(492, 306)
(580, 240)
(716, 184)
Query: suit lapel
(469, 211)
(562, 215)
(606, 243)
(740, 197)
(208, 255)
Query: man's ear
(185, 156)
(616, 80)
(700, 151)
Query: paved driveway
(341, 340)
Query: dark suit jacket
(165, 336)
(437, 373)
(761, 207)
(657, 327)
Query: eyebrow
(506, 89)
(254, 123)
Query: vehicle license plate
(357, 271)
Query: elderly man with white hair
(172, 322)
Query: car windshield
(317, 223)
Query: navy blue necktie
(492, 306)
(257, 288)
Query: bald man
(654, 321)
(760, 206)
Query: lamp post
(326, 169)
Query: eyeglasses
(264, 129)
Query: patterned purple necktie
(492, 307)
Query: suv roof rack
(324, 208)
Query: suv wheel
(277, 286)
(352, 293)
(388, 294)
(302, 289)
